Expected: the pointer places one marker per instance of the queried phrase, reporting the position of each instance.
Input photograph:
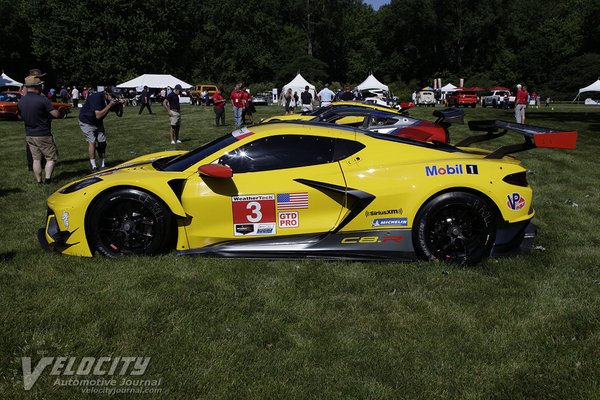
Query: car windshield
(186, 160)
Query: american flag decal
(289, 201)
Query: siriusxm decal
(456, 169)
(390, 222)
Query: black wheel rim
(456, 232)
(127, 227)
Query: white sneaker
(178, 141)
(172, 142)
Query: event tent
(372, 83)
(594, 87)
(448, 88)
(6, 80)
(298, 84)
(154, 81)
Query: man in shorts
(171, 104)
(91, 121)
(37, 113)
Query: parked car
(425, 98)
(462, 98)
(260, 99)
(498, 99)
(9, 109)
(209, 88)
(296, 189)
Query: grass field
(518, 328)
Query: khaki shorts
(92, 133)
(174, 118)
(43, 146)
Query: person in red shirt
(521, 103)
(237, 101)
(247, 112)
(219, 107)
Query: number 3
(256, 215)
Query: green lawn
(518, 328)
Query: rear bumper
(514, 239)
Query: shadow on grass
(585, 117)
(72, 161)
(7, 256)
(6, 192)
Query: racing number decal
(254, 215)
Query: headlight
(80, 185)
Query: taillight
(518, 179)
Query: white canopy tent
(594, 87)
(372, 83)
(6, 80)
(298, 84)
(448, 88)
(154, 81)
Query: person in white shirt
(326, 96)
(75, 97)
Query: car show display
(308, 189)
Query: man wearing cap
(91, 122)
(171, 104)
(37, 113)
(521, 103)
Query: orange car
(9, 109)
(462, 98)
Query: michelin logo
(456, 169)
(390, 222)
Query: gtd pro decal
(515, 201)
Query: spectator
(326, 96)
(288, 102)
(145, 101)
(296, 100)
(75, 97)
(306, 97)
(547, 101)
(237, 101)
(347, 95)
(64, 95)
(37, 113)
(219, 107)
(521, 103)
(171, 104)
(248, 106)
(203, 98)
(414, 97)
(36, 73)
(91, 121)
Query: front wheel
(455, 227)
(129, 222)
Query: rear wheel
(455, 227)
(129, 222)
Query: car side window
(280, 152)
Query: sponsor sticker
(288, 219)
(376, 213)
(254, 215)
(239, 134)
(390, 222)
(456, 169)
(515, 201)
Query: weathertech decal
(456, 169)
(515, 201)
(254, 215)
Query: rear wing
(535, 136)
(450, 115)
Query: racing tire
(129, 222)
(455, 227)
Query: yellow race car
(308, 190)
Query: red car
(9, 109)
(464, 98)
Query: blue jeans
(237, 116)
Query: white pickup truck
(497, 98)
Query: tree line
(550, 46)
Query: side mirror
(216, 171)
